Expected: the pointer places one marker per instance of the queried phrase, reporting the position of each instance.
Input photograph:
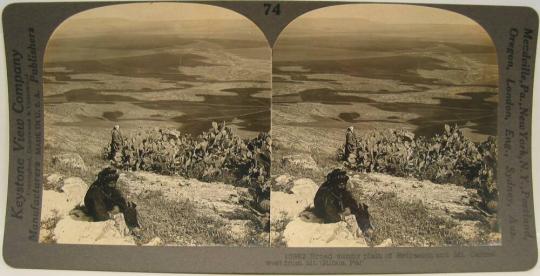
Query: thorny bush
(216, 155)
(448, 157)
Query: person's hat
(337, 175)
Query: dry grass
(256, 237)
(49, 225)
(178, 223)
(183, 223)
(277, 228)
(409, 223)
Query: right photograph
(384, 125)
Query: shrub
(446, 157)
(216, 155)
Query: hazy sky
(196, 19)
(182, 19)
(387, 13)
(160, 12)
(390, 13)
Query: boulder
(72, 225)
(120, 223)
(302, 233)
(54, 178)
(282, 183)
(448, 200)
(291, 205)
(304, 188)
(110, 232)
(286, 205)
(304, 228)
(56, 204)
(154, 242)
(283, 179)
(53, 182)
(75, 189)
(386, 243)
(303, 161)
(70, 161)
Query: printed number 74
(270, 8)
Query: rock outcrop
(454, 203)
(215, 197)
(63, 221)
(60, 203)
(290, 205)
(301, 227)
(447, 200)
(313, 232)
(302, 161)
(69, 160)
(111, 232)
(294, 225)
(53, 182)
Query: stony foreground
(186, 212)
(303, 229)
(451, 207)
(217, 215)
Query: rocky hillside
(293, 225)
(172, 210)
(404, 212)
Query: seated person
(103, 196)
(333, 201)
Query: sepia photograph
(156, 128)
(288, 137)
(158, 121)
(384, 126)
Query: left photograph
(157, 128)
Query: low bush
(216, 155)
(448, 157)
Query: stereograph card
(270, 137)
